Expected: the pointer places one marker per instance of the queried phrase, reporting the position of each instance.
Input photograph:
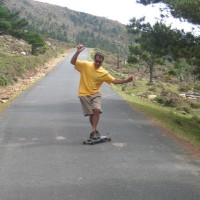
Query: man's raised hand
(80, 48)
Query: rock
(4, 101)
(152, 96)
(22, 43)
(183, 95)
(192, 97)
(48, 43)
(23, 53)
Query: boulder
(152, 96)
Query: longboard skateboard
(103, 138)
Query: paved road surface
(42, 156)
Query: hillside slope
(68, 25)
(19, 68)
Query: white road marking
(120, 145)
(60, 138)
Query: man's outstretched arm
(121, 81)
(80, 48)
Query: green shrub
(160, 99)
(197, 86)
(167, 78)
(153, 89)
(172, 101)
(184, 88)
(165, 92)
(3, 80)
(169, 103)
(178, 121)
(22, 69)
(172, 72)
(195, 119)
(194, 104)
(186, 109)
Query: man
(92, 76)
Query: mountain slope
(68, 25)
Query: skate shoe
(94, 135)
(98, 134)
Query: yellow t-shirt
(91, 78)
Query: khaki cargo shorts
(90, 102)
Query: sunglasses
(98, 61)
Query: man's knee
(96, 111)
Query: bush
(172, 101)
(165, 92)
(172, 72)
(194, 104)
(3, 80)
(185, 109)
(167, 78)
(184, 88)
(169, 100)
(153, 89)
(21, 69)
(160, 100)
(195, 119)
(197, 86)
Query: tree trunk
(151, 74)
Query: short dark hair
(99, 55)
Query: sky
(120, 10)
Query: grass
(185, 126)
(14, 66)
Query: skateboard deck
(103, 138)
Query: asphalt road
(42, 156)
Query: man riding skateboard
(92, 76)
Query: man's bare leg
(94, 119)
